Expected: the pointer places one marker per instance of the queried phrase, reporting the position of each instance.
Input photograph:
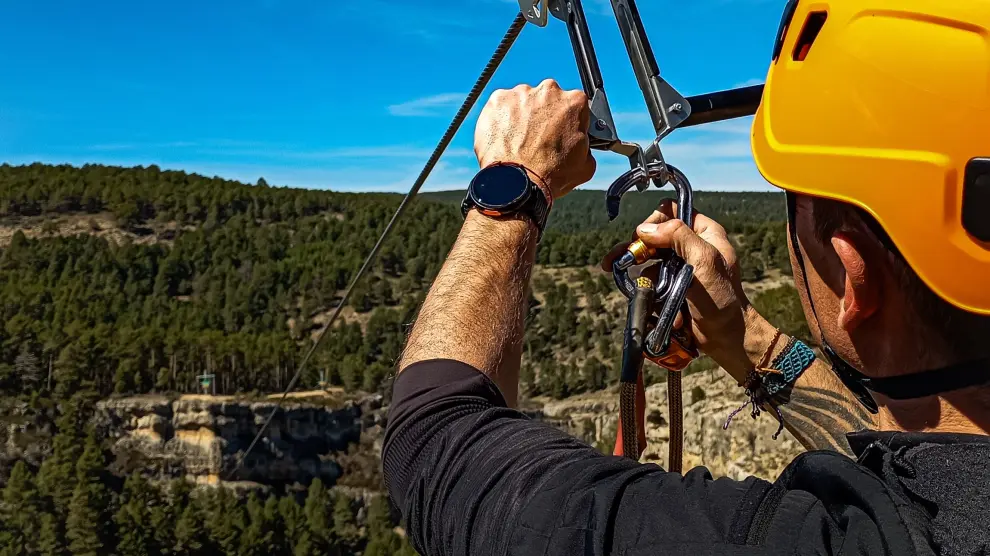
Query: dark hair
(964, 332)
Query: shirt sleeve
(474, 477)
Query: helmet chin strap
(917, 385)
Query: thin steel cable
(479, 86)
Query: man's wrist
(507, 231)
(759, 336)
(542, 184)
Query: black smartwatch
(504, 189)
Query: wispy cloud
(434, 105)
(113, 147)
(342, 153)
(138, 146)
(390, 151)
(271, 152)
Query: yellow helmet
(885, 104)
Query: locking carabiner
(638, 252)
(673, 280)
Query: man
(905, 337)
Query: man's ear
(861, 292)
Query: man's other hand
(545, 129)
(724, 324)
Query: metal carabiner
(638, 252)
(674, 279)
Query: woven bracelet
(788, 366)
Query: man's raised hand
(720, 312)
(543, 128)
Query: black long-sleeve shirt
(472, 476)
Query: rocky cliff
(746, 448)
(204, 437)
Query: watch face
(500, 186)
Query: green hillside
(230, 278)
(119, 281)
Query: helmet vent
(976, 199)
(812, 26)
(785, 23)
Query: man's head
(871, 306)
(859, 108)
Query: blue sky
(339, 94)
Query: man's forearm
(820, 410)
(476, 308)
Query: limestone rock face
(746, 448)
(204, 437)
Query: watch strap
(538, 208)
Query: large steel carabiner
(674, 276)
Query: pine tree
(384, 545)
(379, 517)
(361, 297)
(225, 522)
(20, 513)
(274, 519)
(344, 523)
(593, 374)
(304, 546)
(83, 523)
(86, 525)
(135, 530)
(605, 347)
(317, 518)
(257, 537)
(374, 374)
(56, 478)
(51, 541)
(190, 534)
(296, 532)
(556, 384)
(594, 303)
(352, 371)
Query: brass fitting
(641, 252)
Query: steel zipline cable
(479, 86)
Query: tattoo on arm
(820, 411)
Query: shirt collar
(893, 440)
